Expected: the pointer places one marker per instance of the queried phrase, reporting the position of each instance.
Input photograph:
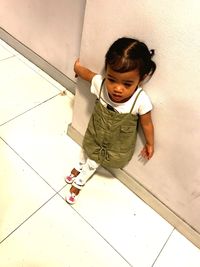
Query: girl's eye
(111, 80)
(127, 84)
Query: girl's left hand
(147, 151)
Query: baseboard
(38, 61)
(170, 216)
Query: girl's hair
(127, 54)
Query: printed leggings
(86, 167)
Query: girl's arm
(83, 72)
(148, 130)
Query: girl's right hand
(77, 67)
(83, 72)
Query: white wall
(172, 28)
(52, 29)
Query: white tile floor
(109, 225)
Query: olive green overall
(111, 136)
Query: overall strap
(109, 107)
(135, 100)
(101, 88)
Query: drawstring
(103, 153)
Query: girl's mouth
(116, 97)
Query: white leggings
(86, 167)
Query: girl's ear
(144, 79)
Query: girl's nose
(118, 88)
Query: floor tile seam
(29, 217)
(3, 59)
(38, 71)
(56, 191)
(17, 55)
(94, 229)
(8, 48)
(30, 109)
(163, 247)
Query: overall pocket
(128, 136)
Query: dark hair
(127, 54)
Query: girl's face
(121, 86)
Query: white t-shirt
(142, 105)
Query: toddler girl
(110, 137)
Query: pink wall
(52, 29)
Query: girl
(111, 134)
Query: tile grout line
(8, 48)
(162, 248)
(98, 232)
(28, 66)
(3, 59)
(28, 164)
(27, 219)
(58, 194)
(30, 109)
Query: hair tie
(152, 52)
